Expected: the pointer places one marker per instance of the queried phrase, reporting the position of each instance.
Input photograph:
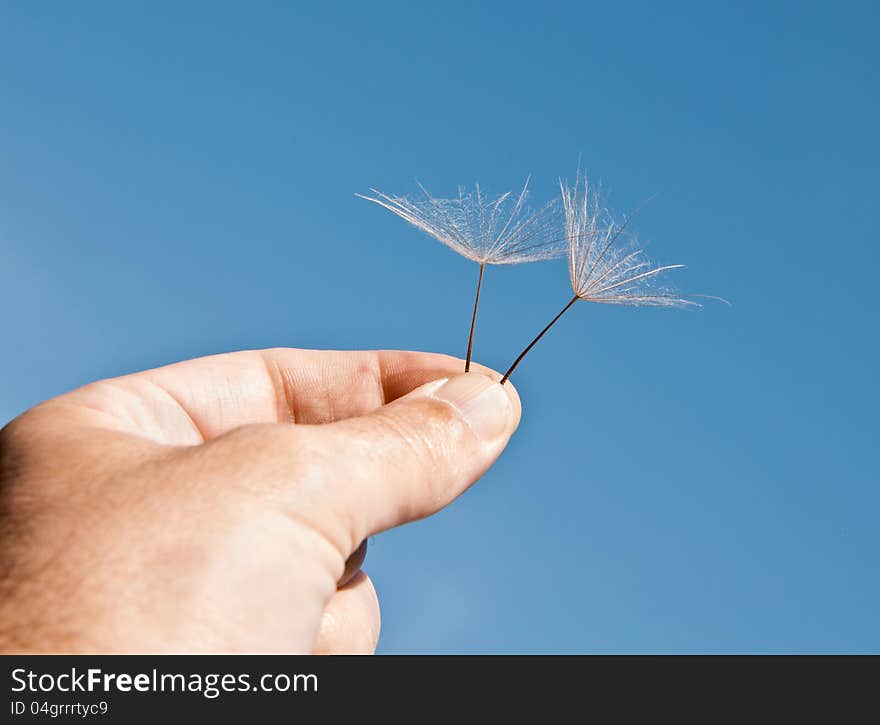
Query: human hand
(219, 504)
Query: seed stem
(470, 347)
(535, 341)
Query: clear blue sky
(177, 179)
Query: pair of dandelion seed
(605, 264)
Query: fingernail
(481, 402)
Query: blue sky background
(177, 179)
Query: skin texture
(223, 504)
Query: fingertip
(509, 388)
(483, 403)
(416, 454)
(515, 402)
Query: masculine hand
(220, 504)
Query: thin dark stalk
(467, 361)
(535, 341)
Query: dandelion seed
(487, 230)
(605, 263)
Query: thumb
(413, 456)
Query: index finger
(196, 400)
